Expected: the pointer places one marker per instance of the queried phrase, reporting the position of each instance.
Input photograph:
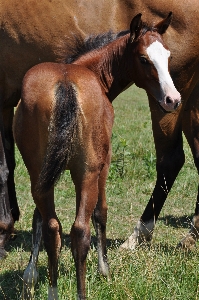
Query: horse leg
(86, 198)
(6, 220)
(51, 232)
(99, 219)
(8, 114)
(170, 159)
(30, 276)
(191, 130)
(26, 136)
(46, 224)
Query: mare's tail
(62, 134)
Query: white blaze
(159, 57)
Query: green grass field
(152, 273)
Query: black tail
(62, 134)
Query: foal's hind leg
(86, 186)
(30, 276)
(99, 219)
(46, 225)
(51, 232)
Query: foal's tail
(62, 134)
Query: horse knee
(53, 226)
(80, 240)
(52, 234)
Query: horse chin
(167, 109)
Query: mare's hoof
(3, 253)
(130, 244)
(187, 243)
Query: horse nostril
(168, 100)
(176, 105)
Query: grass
(158, 271)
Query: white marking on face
(159, 57)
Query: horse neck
(109, 65)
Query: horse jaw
(169, 98)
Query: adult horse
(30, 32)
(61, 123)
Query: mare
(64, 121)
(29, 34)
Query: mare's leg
(30, 276)
(190, 123)
(10, 159)
(170, 159)
(6, 220)
(86, 186)
(99, 219)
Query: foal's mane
(73, 48)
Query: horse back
(41, 82)
(41, 87)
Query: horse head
(151, 62)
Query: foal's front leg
(30, 276)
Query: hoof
(188, 243)
(130, 244)
(3, 254)
(103, 269)
(142, 233)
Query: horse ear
(135, 27)
(164, 24)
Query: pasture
(158, 271)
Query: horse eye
(143, 60)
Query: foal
(64, 121)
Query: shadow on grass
(23, 239)
(11, 282)
(177, 222)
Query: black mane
(74, 47)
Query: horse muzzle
(170, 104)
